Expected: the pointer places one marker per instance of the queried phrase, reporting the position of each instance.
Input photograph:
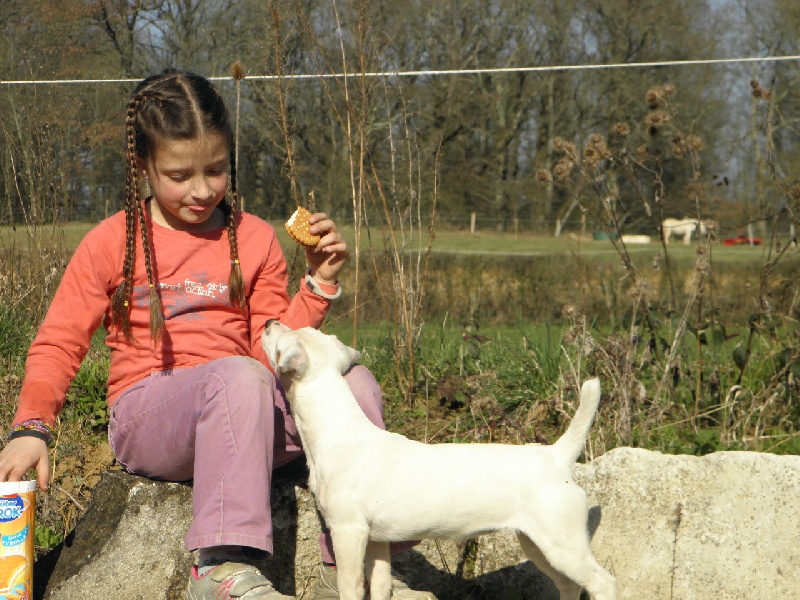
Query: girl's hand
(23, 454)
(327, 258)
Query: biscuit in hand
(298, 228)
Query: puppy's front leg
(379, 570)
(349, 547)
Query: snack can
(17, 513)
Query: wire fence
(84, 205)
(444, 72)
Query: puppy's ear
(349, 355)
(355, 355)
(290, 357)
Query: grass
(506, 335)
(518, 384)
(447, 241)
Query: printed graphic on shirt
(188, 298)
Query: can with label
(17, 513)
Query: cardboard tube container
(17, 514)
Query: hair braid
(134, 210)
(231, 212)
(147, 94)
(156, 311)
(122, 299)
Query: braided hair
(173, 105)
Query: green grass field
(510, 324)
(445, 241)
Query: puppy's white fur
(373, 487)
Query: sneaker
(326, 587)
(232, 580)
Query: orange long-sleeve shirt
(200, 323)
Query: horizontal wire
(436, 73)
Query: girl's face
(188, 179)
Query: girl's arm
(56, 354)
(268, 297)
(63, 339)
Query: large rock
(721, 526)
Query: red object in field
(741, 240)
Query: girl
(183, 283)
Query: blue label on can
(11, 508)
(16, 539)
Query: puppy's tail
(570, 445)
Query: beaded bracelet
(32, 428)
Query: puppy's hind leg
(570, 564)
(567, 589)
(379, 570)
(349, 548)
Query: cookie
(297, 227)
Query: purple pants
(226, 425)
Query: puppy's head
(304, 352)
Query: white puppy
(374, 487)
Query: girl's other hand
(327, 258)
(23, 454)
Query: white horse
(682, 227)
